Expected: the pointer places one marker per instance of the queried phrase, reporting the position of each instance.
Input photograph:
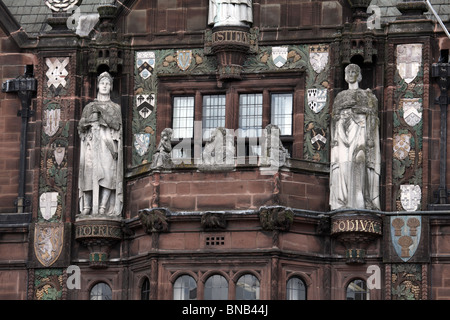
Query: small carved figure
(162, 157)
(101, 161)
(230, 13)
(274, 152)
(213, 221)
(355, 147)
(154, 220)
(220, 149)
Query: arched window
(357, 290)
(101, 291)
(247, 288)
(295, 289)
(145, 290)
(185, 288)
(216, 288)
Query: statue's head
(353, 70)
(105, 76)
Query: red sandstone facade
(229, 223)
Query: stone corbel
(213, 221)
(154, 220)
(99, 235)
(231, 45)
(356, 230)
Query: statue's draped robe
(355, 151)
(101, 159)
(230, 12)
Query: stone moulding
(99, 235)
(355, 230)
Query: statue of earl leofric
(100, 180)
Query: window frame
(296, 277)
(97, 284)
(366, 292)
(200, 85)
(183, 288)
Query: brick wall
(237, 190)
(12, 65)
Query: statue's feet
(86, 211)
(102, 211)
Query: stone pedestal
(99, 235)
(230, 45)
(356, 230)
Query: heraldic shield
(48, 242)
(405, 235)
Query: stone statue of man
(230, 13)
(355, 147)
(100, 180)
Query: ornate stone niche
(99, 236)
(356, 230)
(106, 49)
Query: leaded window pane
(213, 113)
(247, 288)
(216, 288)
(101, 291)
(250, 115)
(357, 290)
(185, 288)
(183, 117)
(281, 115)
(295, 289)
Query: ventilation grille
(215, 241)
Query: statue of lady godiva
(355, 147)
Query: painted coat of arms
(184, 58)
(279, 56)
(402, 145)
(145, 63)
(410, 196)
(141, 142)
(52, 118)
(145, 104)
(48, 203)
(412, 111)
(57, 71)
(405, 235)
(318, 57)
(409, 60)
(317, 99)
(48, 242)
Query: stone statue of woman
(355, 147)
(100, 180)
(230, 13)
